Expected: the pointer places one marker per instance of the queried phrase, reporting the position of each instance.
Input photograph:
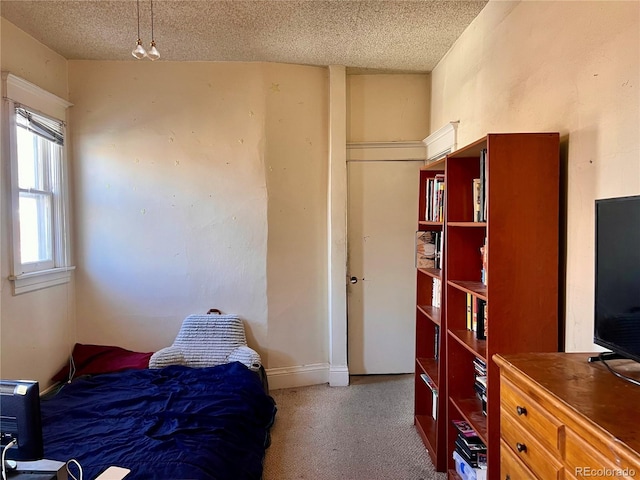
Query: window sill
(29, 282)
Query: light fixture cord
(138, 5)
(152, 37)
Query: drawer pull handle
(521, 447)
(521, 410)
(508, 477)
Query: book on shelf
(486, 320)
(434, 404)
(436, 345)
(483, 185)
(474, 316)
(479, 366)
(436, 293)
(464, 428)
(480, 387)
(476, 310)
(434, 201)
(434, 394)
(428, 382)
(428, 189)
(479, 312)
(480, 382)
(484, 259)
(439, 214)
(473, 450)
(477, 200)
(425, 249)
(428, 249)
(439, 243)
(470, 452)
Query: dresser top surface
(588, 389)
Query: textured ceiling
(367, 34)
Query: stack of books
(434, 211)
(470, 449)
(484, 254)
(480, 384)
(436, 293)
(428, 249)
(477, 316)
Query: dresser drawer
(583, 460)
(510, 467)
(539, 459)
(529, 415)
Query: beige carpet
(361, 432)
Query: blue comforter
(172, 423)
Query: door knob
(353, 280)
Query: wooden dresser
(566, 419)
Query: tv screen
(20, 419)
(617, 276)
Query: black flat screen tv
(617, 276)
(20, 419)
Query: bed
(175, 422)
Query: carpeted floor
(361, 432)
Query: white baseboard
(339, 376)
(298, 376)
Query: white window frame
(27, 277)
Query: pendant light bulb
(139, 52)
(153, 52)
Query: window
(39, 144)
(38, 195)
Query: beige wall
(388, 107)
(27, 58)
(571, 67)
(37, 329)
(296, 164)
(201, 185)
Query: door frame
(338, 276)
(340, 152)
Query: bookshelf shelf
(427, 429)
(432, 313)
(470, 409)
(430, 367)
(430, 225)
(467, 224)
(468, 340)
(432, 272)
(435, 165)
(501, 192)
(478, 289)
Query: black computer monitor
(20, 419)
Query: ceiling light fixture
(139, 52)
(153, 52)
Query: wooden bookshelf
(521, 231)
(430, 345)
(520, 228)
